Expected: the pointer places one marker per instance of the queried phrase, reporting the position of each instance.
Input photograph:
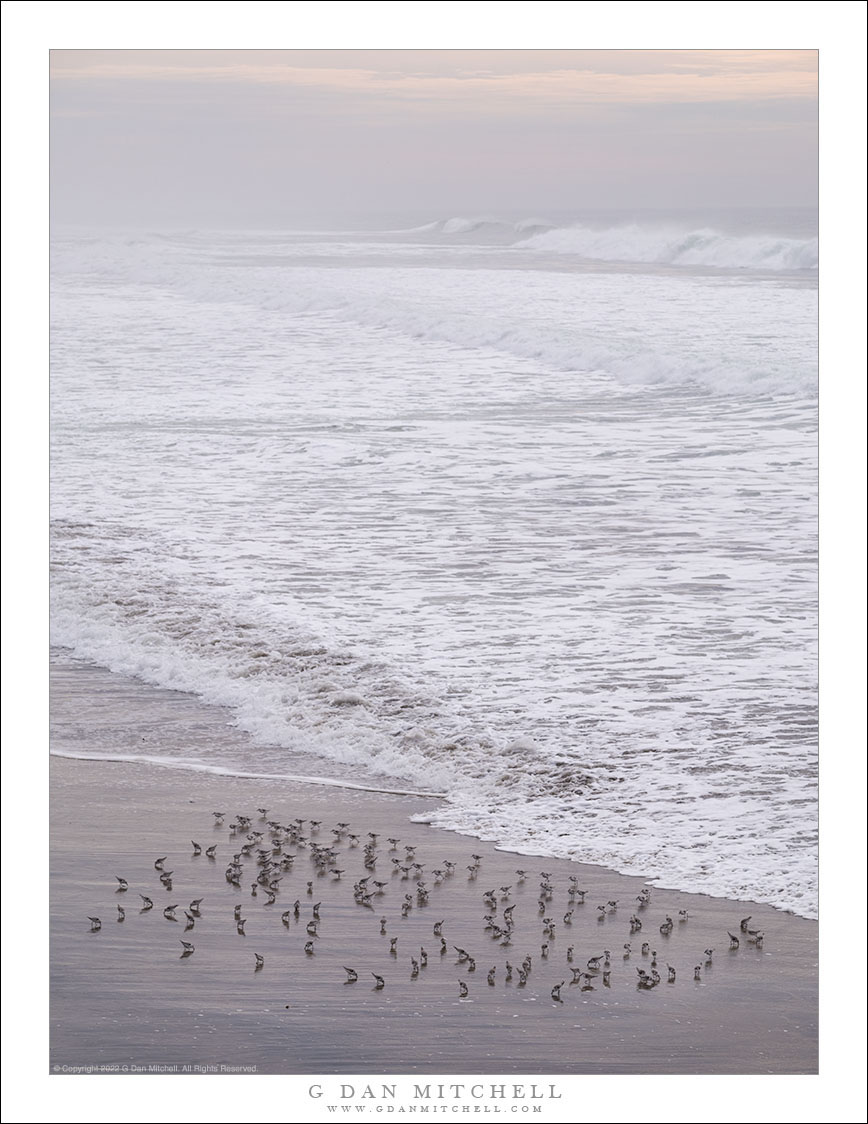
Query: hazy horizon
(247, 138)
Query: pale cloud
(594, 78)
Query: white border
(838, 31)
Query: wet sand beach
(123, 995)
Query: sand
(123, 996)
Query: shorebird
(123, 885)
(309, 948)
(158, 865)
(169, 913)
(464, 989)
(195, 903)
(380, 984)
(121, 914)
(239, 925)
(383, 923)
(211, 851)
(393, 946)
(709, 952)
(188, 949)
(743, 924)
(671, 971)
(197, 849)
(191, 920)
(352, 975)
(219, 817)
(733, 939)
(146, 903)
(490, 976)
(508, 971)
(556, 992)
(570, 951)
(95, 924)
(260, 961)
(697, 972)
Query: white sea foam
(539, 539)
(724, 334)
(671, 246)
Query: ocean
(519, 510)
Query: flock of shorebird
(273, 852)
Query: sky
(256, 137)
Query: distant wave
(637, 330)
(669, 246)
(488, 223)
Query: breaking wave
(661, 246)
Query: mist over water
(521, 510)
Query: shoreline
(66, 670)
(753, 1010)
